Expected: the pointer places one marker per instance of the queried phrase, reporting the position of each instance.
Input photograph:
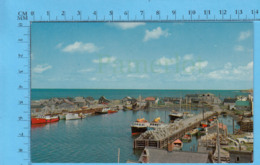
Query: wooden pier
(161, 137)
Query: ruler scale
(24, 18)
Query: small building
(160, 102)
(242, 105)
(242, 98)
(247, 125)
(241, 156)
(153, 155)
(150, 101)
(80, 101)
(192, 98)
(128, 100)
(103, 100)
(229, 102)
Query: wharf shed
(242, 105)
(153, 155)
(230, 102)
(241, 156)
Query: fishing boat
(112, 111)
(38, 120)
(103, 111)
(175, 115)
(204, 124)
(177, 144)
(156, 123)
(194, 131)
(72, 116)
(186, 138)
(44, 119)
(62, 116)
(51, 119)
(139, 126)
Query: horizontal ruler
(142, 15)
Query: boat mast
(218, 145)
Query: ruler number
(111, 12)
(254, 11)
(238, 11)
(173, 12)
(192, 12)
(142, 12)
(206, 12)
(126, 12)
(63, 13)
(78, 12)
(223, 12)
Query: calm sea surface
(96, 138)
(37, 94)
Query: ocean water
(96, 139)
(37, 94)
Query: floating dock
(160, 137)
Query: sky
(138, 55)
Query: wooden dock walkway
(160, 137)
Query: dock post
(233, 126)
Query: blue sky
(142, 55)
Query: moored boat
(103, 111)
(175, 115)
(186, 138)
(72, 116)
(38, 120)
(156, 123)
(50, 119)
(112, 111)
(44, 119)
(204, 124)
(177, 144)
(140, 126)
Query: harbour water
(95, 139)
(121, 93)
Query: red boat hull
(52, 120)
(43, 120)
(111, 111)
(38, 120)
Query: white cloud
(86, 70)
(132, 65)
(105, 60)
(244, 35)
(166, 61)
(138, 76)
(93, 79)
(243, 72)
(188, 57)
(41, 68)
(239, 48)
(126, 25)
(59, 45)
(197, 65)
(81, 47)
(159, 70)
(155, 34)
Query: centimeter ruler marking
(24, 19)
